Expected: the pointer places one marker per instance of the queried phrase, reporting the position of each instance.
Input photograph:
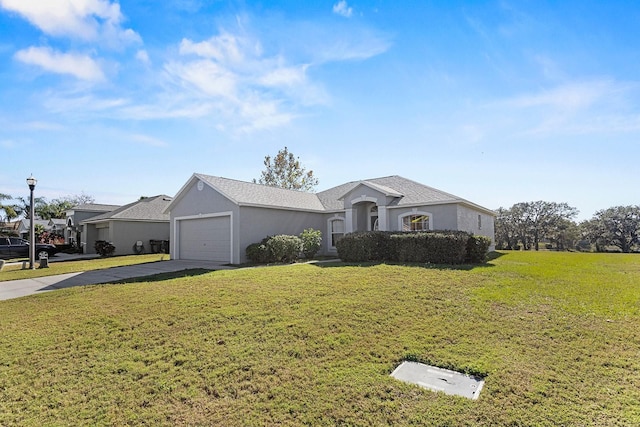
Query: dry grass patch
(310, 345)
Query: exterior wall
(258, 223)
(468, 221)
(194, 202)
(89, 236)
(77, 218)
(443, 217)
(125, 234)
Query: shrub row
(285, 248)
(436, 247)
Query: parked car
(14, 247)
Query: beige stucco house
(215, 218)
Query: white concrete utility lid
(438, 379)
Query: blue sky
(497, 102)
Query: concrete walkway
(19, 288)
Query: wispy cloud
(600, 105)
(243, 79)
(148, 140)
(230, 74)
(343, 9)
(90, 20)
(143, 56)
(571, 96)
(80, 66)
(8, 144)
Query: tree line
(20, 207)
(527, 225)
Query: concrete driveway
(19, 288)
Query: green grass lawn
(16, 272)
(556, 335)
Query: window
(415, 222)
(479, 222)
(337, 230)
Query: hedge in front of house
(279, 248)
(436, 247)
(430, 247)
(477, 249)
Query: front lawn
(557, 336)
(16, 272)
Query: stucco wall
(89, 236)
(124, 235)
(258, 223)
(468, 221)
(443, 217)
(207, 201)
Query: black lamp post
(31, 181)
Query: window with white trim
(337, 230)
(415, 222)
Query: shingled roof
(251, 194)
(405, 191)
(147, 209)
(411, 193)
(94, 207)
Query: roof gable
(245, 193)
(147, 209)
(386, 191)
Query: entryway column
(382, 218)
(348, 221)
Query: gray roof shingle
(406, 192)
(248, 193)
(147, 209)
(94, 207)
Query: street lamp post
(31, 181)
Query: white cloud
(572, 96)
(143, 56)
(8, 144)
(149, 140)
(84, 19)
(225, 48)
(342, 8)
(82, 67)
(205, 76)
(285, 76)
(595, 106)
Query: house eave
(283, 208)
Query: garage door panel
(206, 239)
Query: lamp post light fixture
(31, 181)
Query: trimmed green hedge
(435, 247)
(280, 248)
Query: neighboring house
(25, 226)
(57, 226)
(9, 228)
(214, 218)
(141, 221)
(77, 214)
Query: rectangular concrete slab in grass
(438, 379)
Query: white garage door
(207, 239)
